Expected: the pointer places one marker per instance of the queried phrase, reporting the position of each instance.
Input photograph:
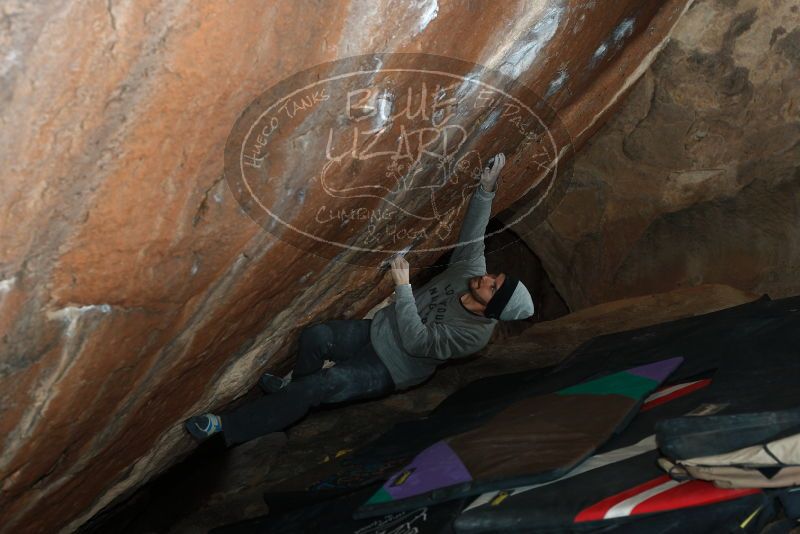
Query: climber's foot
(272, 384)
(201, 427)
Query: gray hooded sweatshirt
(427, 326)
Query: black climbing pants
(358, 374)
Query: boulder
(135, 290)
(696, 179)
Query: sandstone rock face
(696, 180)
(134, 291)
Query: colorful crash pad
(533, 440)
(621, 481)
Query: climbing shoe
(271, 384)
(203, 426)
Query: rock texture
(133, 290)
(696, 180)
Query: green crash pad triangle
(380, 496)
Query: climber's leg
(361, 376)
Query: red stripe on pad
(692, 493)
(684, 495)
(598, 511)
(689, 388)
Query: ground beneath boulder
(215, 486)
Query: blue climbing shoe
(201, 427)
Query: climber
(451, 316)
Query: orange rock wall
(133, 289)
